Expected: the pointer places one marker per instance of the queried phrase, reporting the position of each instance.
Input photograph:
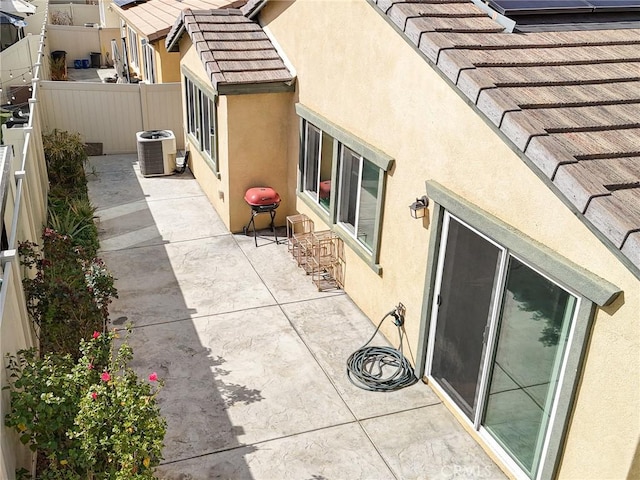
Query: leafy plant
(65, 156)
(74, 218)
(69, 294)
(58, 69)
(90, 418)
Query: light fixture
(418, 208)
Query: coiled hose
(382, 369)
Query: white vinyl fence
(112, 113)
(23, 189)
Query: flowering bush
(69, 294)
(90, 418)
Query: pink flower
(105, 377)
(90, 366)
(94, 395)
(96, 334)
(153, 377)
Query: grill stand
(257, 210)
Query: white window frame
(148, 57)
(132, 39)
(201, 121)
(342, 138)
(342, 193)
(499, 289)
(319, 162)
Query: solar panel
(547, 7)
(125, 3)
(530, 7)
(615, 5)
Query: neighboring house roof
(154, 18)
(235, 51)
(568, 100)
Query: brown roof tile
(234, 49)
(569, 100)
(154, 18)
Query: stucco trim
(201, 84)
(315, 208)
(596, 289)
(430, 280)
(358, 249)
(249, 88)
(567, 388)
(371, 153)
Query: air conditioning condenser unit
(156, 152)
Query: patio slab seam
(259, 442)
(324, 370)
(257, 372)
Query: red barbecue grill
(261, 200)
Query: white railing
(24, 188)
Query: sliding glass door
(498, 338)
(533, 333)
(464, 308)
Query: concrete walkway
(253, 356)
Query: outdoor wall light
(418, 208)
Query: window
(201, 119)
(359, 192)
(343, 179)
(191, 106)
(318, 165)
(535, 321)
(148, 57)
(206, 116)
(504, 329)
(132, 37)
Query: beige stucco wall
(167, 63)
(106, 35)
(258, 125)
(78, 42)
(111, 18)
(369, 81)
(252, 149)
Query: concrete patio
(253, 356)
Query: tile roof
(568, 100)
(154, 18)
(234, 50)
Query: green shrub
(69, 294)
(90, 418)
(65, 156)
(74, 218)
